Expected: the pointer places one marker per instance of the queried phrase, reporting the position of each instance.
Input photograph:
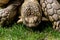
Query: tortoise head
(31, 13)
(31, 17)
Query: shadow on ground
(42, 26)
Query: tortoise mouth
(32, 21)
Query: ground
(21, 32)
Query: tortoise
(31, 12)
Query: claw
(44, 19)
(56, 25)
(20, 20)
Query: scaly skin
(30, 13)
(51, 9)
(8, 14)
(2, 2)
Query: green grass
(21, 32)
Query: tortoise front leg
(8, 14)
(56, 25)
